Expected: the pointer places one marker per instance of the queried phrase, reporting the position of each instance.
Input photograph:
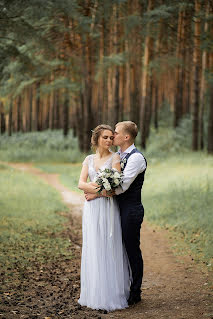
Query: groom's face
(119, 136)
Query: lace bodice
(89, 161)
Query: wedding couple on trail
(112, 264)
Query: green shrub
(43, 146)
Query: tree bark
(80, 121)
(66, 115)
(10, 120)
(37, 107)
(203, 85)
(2, 119)
(197, 73)
(105, 77)
(145, 115)
(56, 109)
(29, 126)
(178, 101)
(210, 117)
(87, 97)
(19, 114)
(156, 106)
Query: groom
(129, 200)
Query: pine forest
(72, 64)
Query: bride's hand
(95, 185)
(89, 196)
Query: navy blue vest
(132, 196)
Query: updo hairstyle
(96, 133)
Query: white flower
(116, 181)
(107, 186)
(122, 165)
(116, 175)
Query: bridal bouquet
(108, 179)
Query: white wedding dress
(105, 279)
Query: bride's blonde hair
(96, 133)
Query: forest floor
(173, 286)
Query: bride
(105, 280)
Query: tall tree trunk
(187, 58)
(56, 109)
(121, 105)
(134, 107)
(37, 107)
(178, 101)
(149, 106)
(105, 77)
(160, 50)
(210, 124)
(146, 84)
(135, 41)
(30, 109)
(156, 106)
(87, 97)
(197, 69)
(79, 114)
(66, 114)
(2, 119)
(210, 117)
(47, 117)
(116, 99)
(19, 114)
(10, 121)
(51, 112)
(203, 84)
(116, 80)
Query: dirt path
(173, 287)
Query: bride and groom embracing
(112, 264)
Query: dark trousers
(131, 220)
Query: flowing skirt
(105, 278)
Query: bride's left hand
(89, 196)
(94, 185)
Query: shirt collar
(128, 150)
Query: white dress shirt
(135, 165)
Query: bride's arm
(84, 185)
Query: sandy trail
(173, 287)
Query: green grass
(68, 173)
(30, 224)
(40, 147)
(177, 194)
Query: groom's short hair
(129, 128)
